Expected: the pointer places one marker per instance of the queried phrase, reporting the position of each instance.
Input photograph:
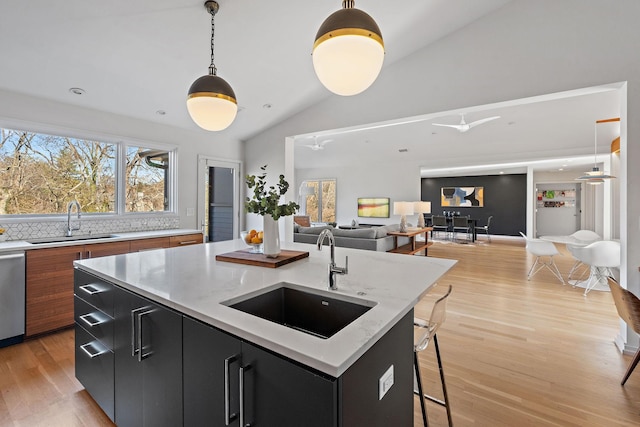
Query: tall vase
(271, 237)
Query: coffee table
(413, 246)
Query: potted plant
(266, 202)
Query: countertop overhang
(191, 281)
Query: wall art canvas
(466, 197)
(373, 207)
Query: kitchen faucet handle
(346, 264)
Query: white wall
(525, 49)
(20, 111)
(364, 180)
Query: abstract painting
(466, 197)
(373, 207)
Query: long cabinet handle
(141, 346)
(188, 242)
(228, 417)
(134, 330)
(243, 369)
(97, 351)
(95, 322)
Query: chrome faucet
(333, 268)
(71, 229)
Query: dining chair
(583, 238)
(628, 307)
(425, 332)
(440, 224)
(601, 256)
(461, 225)
(542, 249)
(485, 228)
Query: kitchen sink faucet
(71, 229)
(333, 268)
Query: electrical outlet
(385, 382)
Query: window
(146, 180)
(41, 173)
(320, 205)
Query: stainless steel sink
(312, 311)
(70, 239)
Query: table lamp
(403, 209)
(421, 208)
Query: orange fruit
(256, 240)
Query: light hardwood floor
(516, 353)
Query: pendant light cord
(212, 68)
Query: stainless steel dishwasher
(12, 302)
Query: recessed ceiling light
(77, 91)
(501, 172)
(161, 112)
(403, 150)
(561, 169)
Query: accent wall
(505, 197)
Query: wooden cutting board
(244, 256)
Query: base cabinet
(148, 363)
(219, 369)
(167, 369)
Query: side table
(412, 247)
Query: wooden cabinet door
(96, 250)
(49, 288)
(149, 244)
(187, 239)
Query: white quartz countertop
(22, 245)
(190, 280)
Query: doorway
(218, 188)
(558, 209)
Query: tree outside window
(321, 204)
(40, 174)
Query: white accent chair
(601, 256)
(542, 249)
(582, 238)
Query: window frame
(319, 195)
(121, 144)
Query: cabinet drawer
(94, 321)
(95, 370)
(188, 239)
(95, 291)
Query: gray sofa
(371, 239)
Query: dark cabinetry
(227, 380)
(148, 363)
(93, 302)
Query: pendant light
(595, 176)
(348, 52)
(211, 101)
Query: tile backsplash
(58, 227)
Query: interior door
(218, 206)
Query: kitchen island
(361, 375)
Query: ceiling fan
(318, 145)
(464, 126)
